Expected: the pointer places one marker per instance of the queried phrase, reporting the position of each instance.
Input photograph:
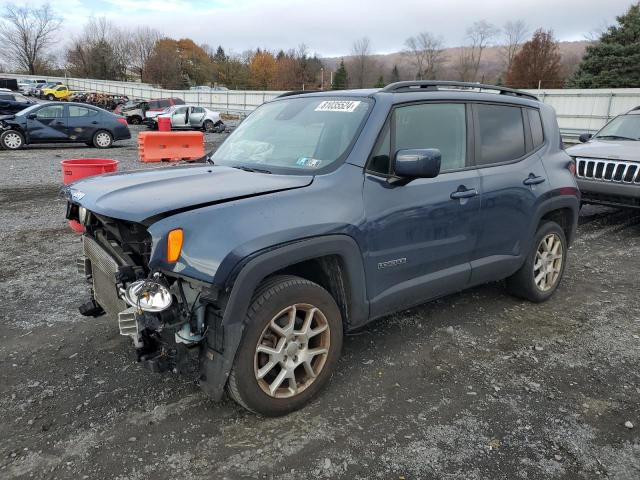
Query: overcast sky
(329, 27)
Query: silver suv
(608, 163)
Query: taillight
(123, 121)
(572, 167)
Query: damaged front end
(166, 316)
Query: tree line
(105, 51)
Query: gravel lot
(477, 385)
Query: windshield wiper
(619, 137)
(251, 169)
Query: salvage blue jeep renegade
(321, 212)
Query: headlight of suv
(148, 295)
(82, 214)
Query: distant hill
(491, 68)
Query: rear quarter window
(537, 133)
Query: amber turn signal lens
(174, 245)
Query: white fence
(231, 101)
(577, 110)
(588, 110)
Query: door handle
(533, 180)
(94, 122)
(466, 193)
(58, 123)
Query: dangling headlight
(148, 295)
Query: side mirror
(585, 137)
(31, 116)
(418, 163)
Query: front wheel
(209, 126)
(51, 98)
(102, 139)
(542, 271)
(291, 344)
(11, 140)
(135, 120)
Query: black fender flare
(216, 366)
(569, 201)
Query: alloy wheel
(292, 351)
(548, 262)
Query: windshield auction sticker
(337, 106)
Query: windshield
(29, 109)
(624, 127)
(298, 134)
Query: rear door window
(76, 111)
(500, 137)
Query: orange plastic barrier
(170, 146)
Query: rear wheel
(102, 139)
(291, 344)
(541, 273)
(51, 97)
(11, 140)
(135, 120)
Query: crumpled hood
(144, 196)
(609, 149)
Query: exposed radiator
(103, 271)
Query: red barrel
(164, 124)
(73, 170)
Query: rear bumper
(610, 193)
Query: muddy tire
(135, 120)
(290, 347)
(539, 277)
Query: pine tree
(395, 74)
(340, 79)
(220, 57)
(380, 83)
(614, 61)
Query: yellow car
(57, 92)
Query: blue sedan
(62, 122)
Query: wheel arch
(333, 261)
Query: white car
(188, 117)
(25, 86)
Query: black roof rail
(410, 86)
(295, 92)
